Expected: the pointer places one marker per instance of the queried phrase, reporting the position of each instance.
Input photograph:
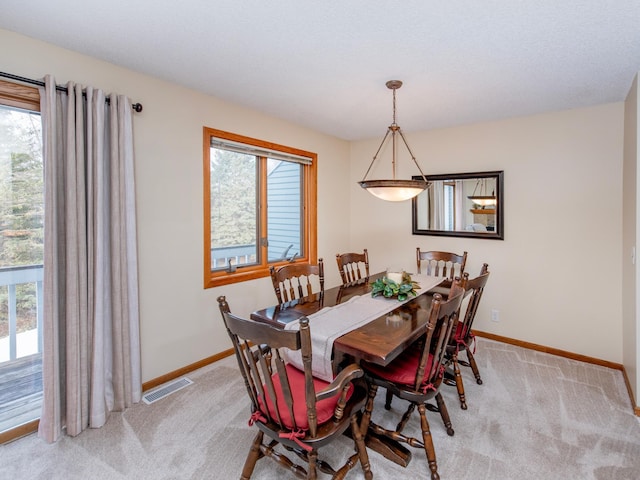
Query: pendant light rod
(411, 153)
(376, 155)
(394, 129)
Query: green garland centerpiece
(390, 288)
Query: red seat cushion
(324, 408)
(403, 369)
(460, 338)
(458, 333)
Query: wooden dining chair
(297, 280)
(293, 409)
(441, 264)
(416, 375)
(353, 266)
(462, 338)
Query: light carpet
(537, 416)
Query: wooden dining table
(379, 341)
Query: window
(449, 205)
(259, 207)
(21, 255)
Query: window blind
(259, 151)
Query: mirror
(461, 205)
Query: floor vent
(165, 390)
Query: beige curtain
(436, 206)
(91, 351)
(460, 214)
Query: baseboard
(636, 409)
(565, 354)
(184, 370)
(18, 432)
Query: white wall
(180, 321)
(630, 226)
(563, 182)
(556, 278)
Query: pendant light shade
(394, 190)
(484, 201)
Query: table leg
(385, 446)
(378, 442)
(388, 448)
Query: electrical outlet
(495, 315)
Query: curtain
(460, 203)
(91, 350)
(436, 203)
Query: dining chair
(448, 265)
(463, 337)
(416, 376)
(441, 264)
(293, 409)
(353, 266)
(297, 280)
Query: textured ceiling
(324, 64)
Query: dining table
(378, 339)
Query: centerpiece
(395, 285)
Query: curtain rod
(136, 106)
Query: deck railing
(240, 254)
(246, 254)
(10, 277)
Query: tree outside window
(21, 208)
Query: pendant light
(394, 190)
(483, 199)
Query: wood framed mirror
(461, 205)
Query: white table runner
(332, 322)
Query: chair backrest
(442, 318)
(266, 376)
(441, 264)
(353, 266)
(476, 287)
(296, 280)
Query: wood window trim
(220, 278)
(20, 96)
(26, 98)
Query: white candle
(395, 276)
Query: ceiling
(324, 64)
